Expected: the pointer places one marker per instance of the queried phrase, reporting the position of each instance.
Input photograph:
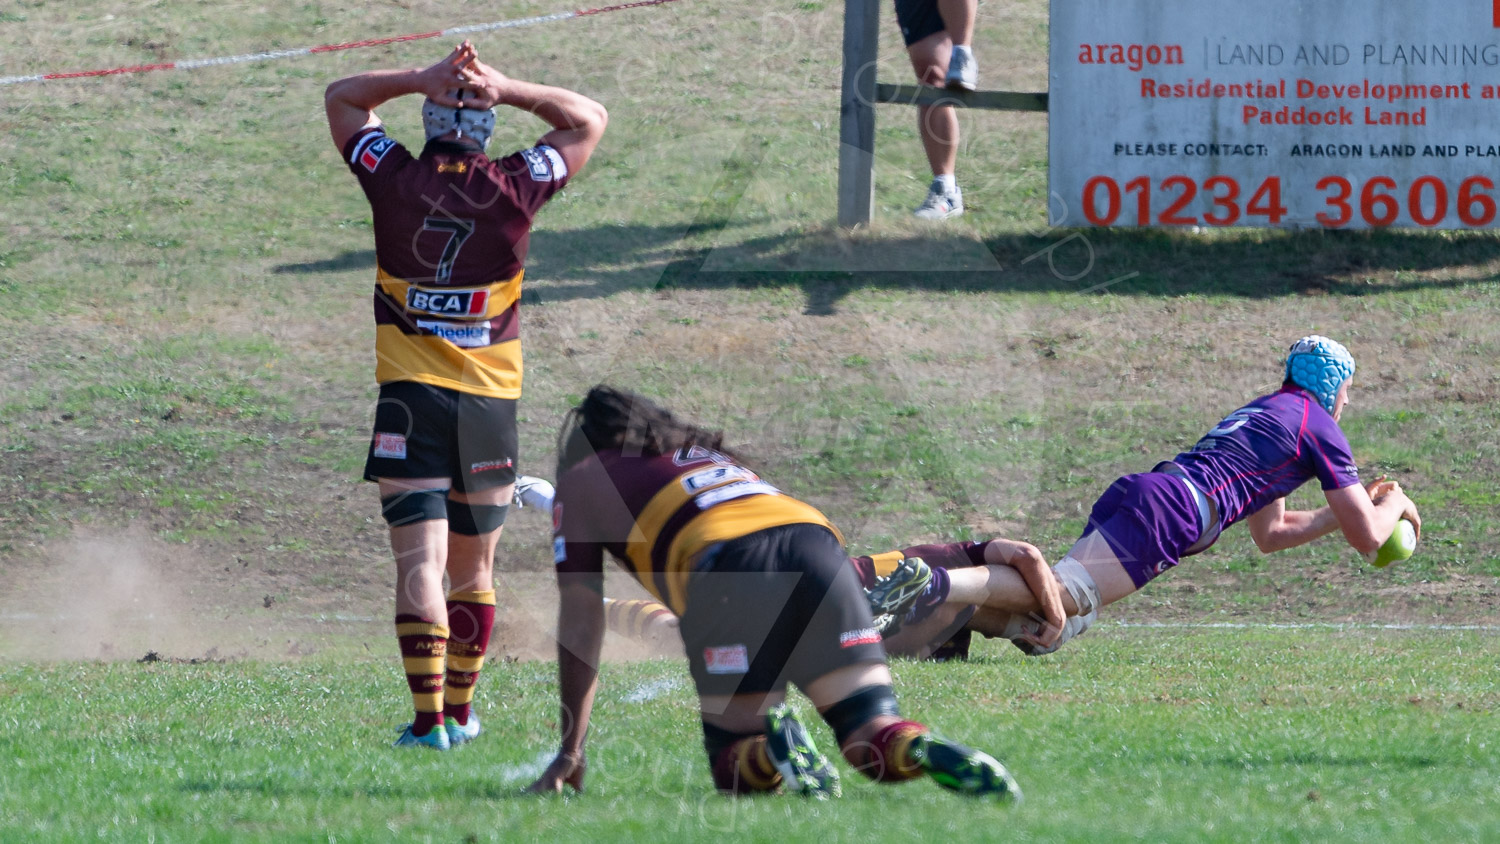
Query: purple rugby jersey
(1265, 450)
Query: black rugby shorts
(422, 431)
(775, 606)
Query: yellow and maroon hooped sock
(630, 617)
(745, 767)
(471, 615)
(424, 645)
(889, 757)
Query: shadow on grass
(715, 251)
(828, 265)
(362, 259)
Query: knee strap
(414, 505)
(859, 709)
(474, 519)
(1080, 585)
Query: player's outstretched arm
(351, 102)
(580, 635)
(1366, 515)
(1275, 528)
(1015, 579)
(577, 122)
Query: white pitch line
(527, 770)
(652, 690)
(1314, 625)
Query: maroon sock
(471, 615)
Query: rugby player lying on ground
(765, 596)
(1144, 524)
(1242, 470)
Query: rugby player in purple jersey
(1144, 524)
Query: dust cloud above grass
(109, 596)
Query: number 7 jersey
(451, 233)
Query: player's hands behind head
(487, 84)
(439, 81)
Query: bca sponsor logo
(472, 302)
(391, 446)
(726, 659)
(559, 550)
(489, 466)
(370, 158)
(465, 336)
(862, 636)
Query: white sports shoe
(534, 492)
(939, 205)
(963, 71)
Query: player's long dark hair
(610, 418)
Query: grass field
(185, 270)
(1204, 736)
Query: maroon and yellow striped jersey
(654, 514)
(451, 233)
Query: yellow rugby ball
(1401, 544)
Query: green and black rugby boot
(892, 596)
(964, 769)
(803, 769)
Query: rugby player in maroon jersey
(451, 231)
(765, 596)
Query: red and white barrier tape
(272, 55)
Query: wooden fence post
(857, 113)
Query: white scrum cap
(476, 123)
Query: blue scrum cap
(1320, 366)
